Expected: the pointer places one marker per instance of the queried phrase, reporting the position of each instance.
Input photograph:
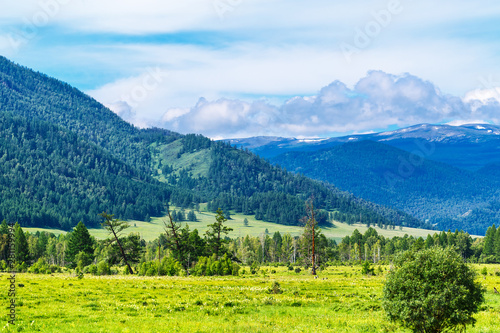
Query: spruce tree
(79, 241)
(21, 245)
(497, 244)
(489, 241)
(4, 228)
(4, 240)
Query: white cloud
(122, 109)
(483, 96)
(378, 100)
(484, 104)
(466, 122)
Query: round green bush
(432, 290)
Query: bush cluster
(208, 266)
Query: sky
(240, 68)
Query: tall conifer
(79, 241)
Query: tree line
(180, 250)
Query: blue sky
(236, 68)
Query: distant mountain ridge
(469, 147)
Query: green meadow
(339, 300)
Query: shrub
(103, 268)
(366, 269)
(208, 266)
(254, 268)
(432, 291)
(90, 269)
(297, 270)
(3, 265)
(171, 267)
(168, 266)
(235, 269)
(40, 266)
(147, 268)
(83, 259)
(484, 271)
(275, 288)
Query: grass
(198, 163)
(151, 230)
(340, 300)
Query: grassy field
(340, 300)
(151, 230)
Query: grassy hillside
(197, 162)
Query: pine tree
(115, 227)
(191, 216)
(174, 239)
(489, 241)
(429, 242)
(79, 241)
(21, 245)
(4, 228)
(214, 234)
(311, 232)
(497, 244)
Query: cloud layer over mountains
(377, 101)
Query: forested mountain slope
(235, 179)
(50, 177)
(29, 94)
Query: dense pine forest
(50, 178)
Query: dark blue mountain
(445, 195)
(469, 147)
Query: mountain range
(66, 158)
(470, 147)
(446, 175)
